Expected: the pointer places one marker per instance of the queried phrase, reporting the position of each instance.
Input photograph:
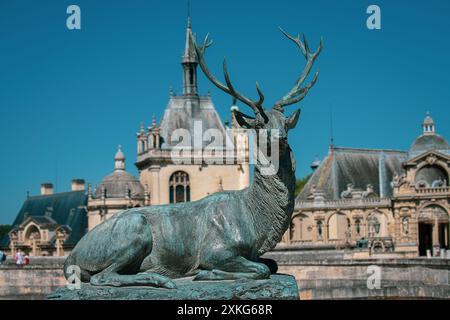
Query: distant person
(26, 260)
(19, 257)
(2, 257)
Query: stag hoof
(169, 285)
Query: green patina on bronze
(220, 237)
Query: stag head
(274, 117)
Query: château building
(214, 158)
(383, 201)
(49, 224)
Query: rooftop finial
(119, 159)
(331, 128)
(154, 121)
(428, 125)
(189, 61)
(189, 14)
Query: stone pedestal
(278, 287)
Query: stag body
(219, 237)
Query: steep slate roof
(66, 209)
(183, 111)
(357, 166)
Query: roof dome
(120, 184)
(429, 140)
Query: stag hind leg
(110, 277)
(234, 269)
(135, 235)
(111, 254)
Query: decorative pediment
(430, 157)
(43, 222)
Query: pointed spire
(189, 55)
(153, 121)
(119, 159)
(189, 62)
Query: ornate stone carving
(431, 159)
(405, 226)
(347, 194)
(398, 180)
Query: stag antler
(255, 105)
(297, 93)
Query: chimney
(78, 185)
(46, 189)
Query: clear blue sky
(68, 98)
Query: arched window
(338, 225)
(179, 187)
(431, 177)
(32, 233)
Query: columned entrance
(433, 230)
(425, 238)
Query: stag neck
(271, 202)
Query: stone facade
(403, 208)
(209, 157)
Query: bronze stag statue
(219, 237)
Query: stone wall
(34, 281)
(320, 275)
(348, 279)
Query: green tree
(4, 229)
(300, 183)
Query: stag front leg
(235, 268)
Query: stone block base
(278, 287)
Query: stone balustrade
(433, 191)
(345, 203)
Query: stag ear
(244, 120)
(291, 122)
